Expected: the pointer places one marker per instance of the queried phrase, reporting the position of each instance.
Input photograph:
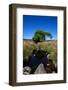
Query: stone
(40, 69)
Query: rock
(40, 69)
(26, 70)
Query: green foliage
(41, 36)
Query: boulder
(40, 69)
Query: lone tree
(40, 36)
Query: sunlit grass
(50, 46)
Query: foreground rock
(40, 69)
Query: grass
(50, 46)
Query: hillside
(49, 45)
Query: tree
(41, 36)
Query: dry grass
(50, 46)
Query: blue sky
(32, 23)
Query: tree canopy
(40, 35)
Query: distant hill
(31, 40)
(27, 39)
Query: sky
(32, 23)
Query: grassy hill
(49, 45)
